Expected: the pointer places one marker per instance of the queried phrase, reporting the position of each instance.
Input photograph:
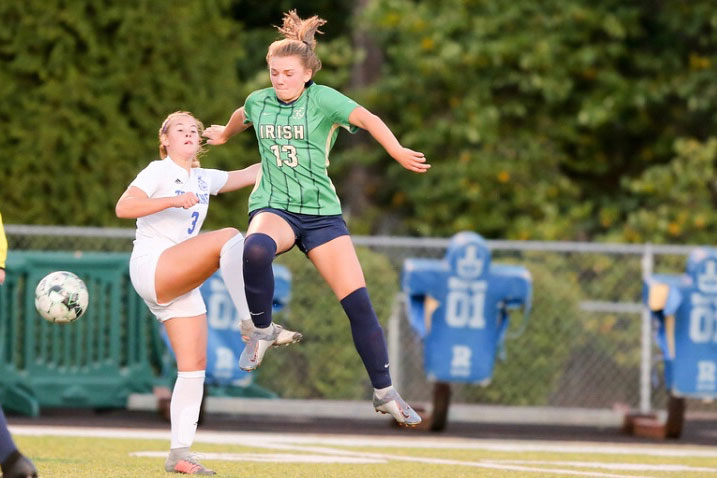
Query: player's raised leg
(338, 264)
(268, 235)
(232, 269)
(185, 266)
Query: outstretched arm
(241, 178)
(409, 159)
(135, 203)
(217, 134)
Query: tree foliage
(84, 88)
(560, 119)
(538, 116)
(677, 198)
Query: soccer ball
(61, 297)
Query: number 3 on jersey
(290, 152)
(195, 216)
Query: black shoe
(18, 466)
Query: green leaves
(677, 200)
(543, 120)
(84, 92)
(566, 101)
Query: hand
(2, 276)
(186, 200)
(411, 160)
(215, 134)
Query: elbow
(122, 212)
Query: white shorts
(142, 267)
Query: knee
(187, 364)
(259, 250)
(227, 239)
(228, 233)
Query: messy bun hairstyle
(298, 40)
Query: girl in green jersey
(294, 202)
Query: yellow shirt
(3, 245)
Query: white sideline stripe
(331, 455)
(611, 466)
(269, 457)
(442, 461)
(411, 440)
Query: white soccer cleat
(285, 337)
(394, 405)
(258, 342)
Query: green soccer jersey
(294, 143)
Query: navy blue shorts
(309, 230)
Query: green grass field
(96, 452)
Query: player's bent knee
(259, 250)
(221, 237)
(228, 232)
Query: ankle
(176, 453)
(265, 333)
(381, 392)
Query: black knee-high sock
(259, 252)
(368, 336)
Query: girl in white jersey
(170, 260)
(294, 202)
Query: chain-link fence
(587, 343)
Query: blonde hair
(167, 123)
(298, 40)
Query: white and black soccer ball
(61, 297)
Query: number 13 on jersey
(285, 150)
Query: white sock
(381, 392)
(232, 267)
(184, 410)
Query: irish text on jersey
(281, 131)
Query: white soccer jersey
(164, 178)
